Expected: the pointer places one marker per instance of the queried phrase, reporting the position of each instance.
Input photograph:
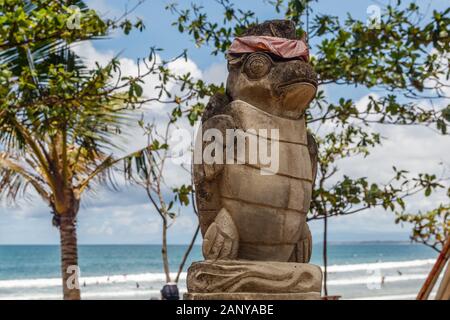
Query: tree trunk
(69, 256)
(186, 254)
(164, 252)
(325, 256)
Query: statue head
(268, 68)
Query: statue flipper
(221, 123)
(221, 241)
(206, 175)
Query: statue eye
(257, 66)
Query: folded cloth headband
(284, 48)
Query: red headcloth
(281, 47)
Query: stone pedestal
(253, 280)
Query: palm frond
(15, 178)
(66, 133)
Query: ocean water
(379, 270)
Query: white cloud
(103, 8)
(216, 73)
(153, 111)
(183, 66)
(414, 148)
(156, 112)
(443, 61)
(129, 67)
(417, 149)
(91, 57)
(103, 229)
(371, 225)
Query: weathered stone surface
(247, 184)
(252, 296)
(266, 252)
(250, 117)
(281, 225)
(222, 238)
(256, 240)
(241, 276)
(273, 28)
(294, 159)
(268, 210)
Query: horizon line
(199, 244)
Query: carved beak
(297, 95)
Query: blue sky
(127, 217)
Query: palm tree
(58, 124)
(59, 149)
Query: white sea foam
(160, 277)
(375, 279)
(145, 294)
(389, 297)
(395, 297)
(56, 282)
(381, 265)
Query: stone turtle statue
(243, 214)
